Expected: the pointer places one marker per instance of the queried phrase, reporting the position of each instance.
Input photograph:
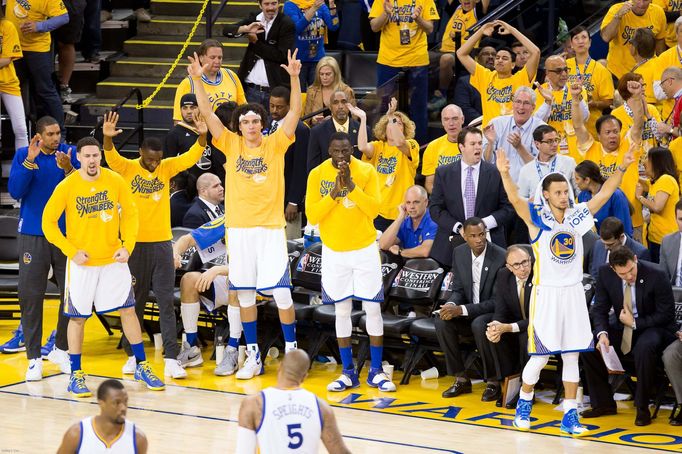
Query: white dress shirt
(530, 176)
(476, 270)
(212, 208)
(258, 75)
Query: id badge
(312, 50)
(405, 37)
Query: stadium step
(118, 87)
(180, 26)
(155, 68)
(191, 8)
(169, 46)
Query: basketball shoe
(252, 366)
(377, 378)
(16, 343)
(570, 424)
(143, 373)
(77, 384)
(347, 380)
(130, 366)
(49, 345)
(61, 359)
(35, 370)
(522, 418)
(228, 365)
(173, 368)
(190, 356)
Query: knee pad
(247, 298)
(570, 372)
(282, 297)
(344, 327)
(531, 373)
(374, 324)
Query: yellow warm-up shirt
(396, 174)
(397, 52)
(347, 222)
(226, 87)
(560, 118)
(496, 93)
(670, 57)
(101, 216)
(619, 60)
(438, 153)
(663, 223)
(669, 6)
(9, 48)
(648, 138)
(597, 82)
(459, 22)
(150, 189)
(18, 11)
(676, 149)
(254, 179)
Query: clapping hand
(64, 160)
(34, 147)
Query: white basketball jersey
(92, 443)
(559, 249)
(292, 422)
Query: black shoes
(596, 412)
(492, 392)
(643, 417)
(459, 387)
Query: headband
(250, 113)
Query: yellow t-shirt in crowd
(648, 72)
(396, 174)
(619, 60)
(101, 217)
(597, 82)
(150, 189)
(9, 48)
(19, 11)
(439, 152)
(347, 222)
(663, 223)
(226, 87)
(496, 93)
(560, 119)
(406, 48)
(676, 149)
(669, 58)
(254, 179)
(669, 6)
(459, 22)
(648, 138)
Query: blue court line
(214, 418)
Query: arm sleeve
(368, 199)
(246, 441)
(53, 211)
(129, 218)
(116, 162)
(186, 160)
(20, 175)
(53, 23)
(297, 16)
(317, 206)
(332, 21)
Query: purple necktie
(469, 193)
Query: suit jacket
(272, 50)
(468, 98)
(670, 255)
(653, 297)
(447, 207)
(462, 281)
(295, 175)
(507, 307)
(197, 215)
(597, 256)
(318, 144)
(179, 204)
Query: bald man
(208, 205)
(671, 85)
(411, 234)
(443, 150)
(294, 419)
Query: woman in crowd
(327, 81)
(10, 93)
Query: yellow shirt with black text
(18, 11)
(496, 93)
(597, 82)
(459, 22)
(670, 6)
(439, 153)
(648, 137)
(560, 118)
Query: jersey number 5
(295, 436)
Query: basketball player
(101, 226)
(286, 417)
(343, 198)
(109, 432)
(559, 322)
(253, 199)
(210, 289)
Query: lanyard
(639, 64)
(551, 167)
(395, 10)
(577, 68)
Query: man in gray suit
(670, 250)
(472, 304)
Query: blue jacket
(311, 32)
(33, 185)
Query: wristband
(622, 169)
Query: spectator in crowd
(496, 87)
(467, 13)
(625, 113)
(91, 39)
(395, 156)
(340, 121)
(411, 234)
(596, 79)
(507, 333)
(671, 86)
(208, 205)
(221, 84)
(589, 181)
(470, 308)
(313, 19)
(404, 25)
(546, 141)
(443, 150)
(612, 235)
(140, 9)
(514, 132)
(521, 54)
(466, 96)
(294, 162)
(34, 22)
(663, 193)
(10, 90)
(641, 298)
(643, 49)
(672, 360)
(67, 36)
(180, 201)
(466, 188)
(327, 81)
(270, 36)
(667, 59)
(620, 24)
(672, 13)
(670, 250)
(556, 108)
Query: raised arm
(639, 110)
(610, 185)
(581, 133)
(534, 58)
(519, 203)
(377, 23)
(422, 23)
(293, 67)
(610, 30)
(366, 148)
(195, 71)
(115, 161)
(464, 52)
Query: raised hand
(489, 133)
(417, 12)
(635, 88)
(34, 147)
(392, 106)
(576, 89)
(356, 111)
(626, 8)
(253, 27)
(502, 162)
(545, 92)
(195, 69)
(109, 125)
(503, 27)
(200, 123)
(293, 67)
(488, 29)
(388, 7)
(629, 157)
(64, 160)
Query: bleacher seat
(360, 71)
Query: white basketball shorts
(216, 295)
(352, 274)
(258, 259)
(108, 287)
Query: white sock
(526, 396)
(570, 404)
(190, 316)
(288, 346)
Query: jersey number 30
(295, 436)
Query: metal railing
(212, 18)
(138, 129)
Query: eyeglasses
(558, 70)
(523, 103)
(519, 265)
(556, 141)
(666, 79)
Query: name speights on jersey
(293, 410)
(94, 203)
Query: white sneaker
(252, 367)
(174, 369)
(228, 365)
(190, 356)
(61, 359)
(130, 366)
(35, 370)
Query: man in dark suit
(208, 205)
(180, 201)
(318, 145)
(466, 188)
(641, 297)
(612, 234)
(507, 333)
(295, 175)
(271, 34)
(471, 305)
(670, 251)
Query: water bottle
(219, 350)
